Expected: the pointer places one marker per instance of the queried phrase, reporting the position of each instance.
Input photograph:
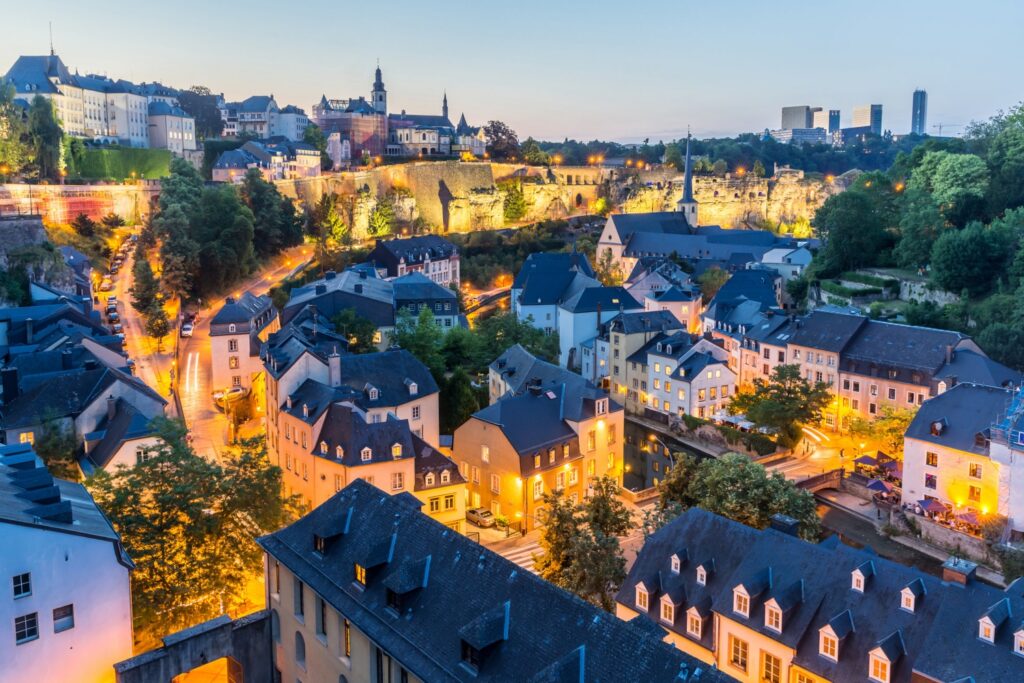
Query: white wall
(66, 569)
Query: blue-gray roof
(161, 108)
(961, 416)
(608, 299)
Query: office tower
(796, 117)
(868, 116)
(919, 117)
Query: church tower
(444, 105)
(688, 205)
(380, 95)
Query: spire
(688, 172)
(444, 105)
(378, 82)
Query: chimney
(330, 275)
(111, 407)
(288, 402)
(949, 354)
(599, 318)
(9, 382)
(321, 289)
(958, 570)
(230, 300)
(358, 289)
(90, 364)
(30, 326)
(785, 524)
(66, 359)
(334, 368)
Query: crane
(940, 126)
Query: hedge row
(118, 163)
(833, 287)
(873, 280)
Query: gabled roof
(551, 278)
(161, 108)
(420, 121)
(256, 103)
(345, 426)
(128, 424)
(242, 310)
(645, 321)
(957, 417)
(970, 366)
(524, 627)
(412, 250)
(909, 346)
(609, 300)
(827, 331)
(518, 367)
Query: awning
(933, 506)
(879, 485)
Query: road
(208, 425)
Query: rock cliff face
(24, 244)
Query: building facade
(237, 332)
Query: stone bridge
(819, 482)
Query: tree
(15, 150)
(514, 203)
(189, 525)
(502, 141)
(275, 226)
(533, 154)
(179, 253)
(710, 281)
(84, 225)
(45, 137)
(720, 168)
(676, 486)
(201, 105)
(421, 336)
(783, 402)
(921, 223)
(498, 332)
(358, 330)
(382, 218)
(314, 136)
(144, 285)
(1004, 342)
(326, 226)
(968, 259)
(458, 401)
(157, 325)
(853, 230)
(758, 169)
(604, 511)
(561, 524)
(597, 569)
(957, 182)
(55, 445)
(888, 427)
(112, 221)
(184, 187)
(607, 269)
(674, 157)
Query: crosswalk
(522, 555)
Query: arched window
(374, 393)
(366, 454)
(231, 327)
(396, 450)
(323, 448)
(339, 452)
(300, 650)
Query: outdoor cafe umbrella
(880, 486)
(894, 467)
(968, 517)
(866, 460)
(931, 505)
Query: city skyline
(563, 66)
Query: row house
(764, 606)
(547, 438)
(965, 449)
(613, 362)
(513, 370)
(367, 588)
(237, 333)
(545, 281)
(688, 377)
(431, 255)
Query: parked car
(116, 328)
(187, 329)
(106, 285)
(222, 398)
(113, 317)
(480, 517)
(131, 365)
(112, 309)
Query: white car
(187, 329)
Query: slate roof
(827, 331)
(812, 582)
(608, 299)
(645, 321)
(236, 158)
(657, 222)
(346, 426)
(306, 332)
(161, 108)
(551, 278)
(964, 412)
(411, 250)
(970, 366)
(30, 496)
(418, 287)
(526, 628)
(421, 121)
(243, 311)
(753, 284)
(31, 74)
(388, 372)
(517, 367)
(909, 346)
(128, 423)
(256, 103)
(676, 294)
(337, 292)
(429, 460)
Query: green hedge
(118, 163)
(833, 287)
(873, 280)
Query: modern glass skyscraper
(868, 116)
(919, 116)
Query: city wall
(61, 203)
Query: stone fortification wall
(61, 203)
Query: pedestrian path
(523, 555)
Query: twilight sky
(584, 69)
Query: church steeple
(444, 105)
(379, 95)
(688, 205)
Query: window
(397, 481)
(771, 668)
(892, 394)
(857, 583)
(879, 669)
(773, 618)
(657, 383)
(339, 452)
(611, 435)
(232, 345)
(740, 603)
(435, 504)
(396, 450)
(22, 585)
(360, 574)
(738, 653)
(702, 576)
(974, 494)
(985, 631)
(446, 477)
(485, 453)
(475, 473)
(565, 450)
(63, 618)
(27, 437)
(337, 482)
(538, 489)
(323, 448)
(828, 647)
(1018, 643)
(536, 461)
(974, 471)
(907, 600)
(675, 564)
(298, 589)
(641, 598)
(365, 455)
(668, 611)
(26, 628)
(321, 618)
(701, 395)
(693, 625)
(931, 459)
(495, 483)
(930, 481)
(346, 628)
(449, 502)
(415, 412)
(560, 481)
(300, 650)
(591, 440)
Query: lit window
(738, 653)
(323, 448)
(339, 452)
(495, 483)
(740, 603)
(771, 668)
(641, 598)
(27, 437)
(366, 454)
(360, 574)
(907, 600)
(974, 471)
(446, 477)
(773, 618)
(485, 453)
(828, 647)
(538, 489)
(396, 450)
(879, 669)
(858, 582)
(693, 624)
(668, 611)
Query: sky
(551, 69)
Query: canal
(647, 456)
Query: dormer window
(857, 581)
(360, 574)
(1018, 643)
(305, 410)
(641, 598)
(446, 477)
(828, 646)
(675, 564)
(878, 669)
(694, 624)
(428, 480)
(366, 454)
(323, 448)
(986, 630)
(907, 600)
(231, 328)
(773, 618)
(374, 393)
(413, 390)
(396, 450)
(702, 576)
(668, 610)
(601, 406)
(740, 602)
(339, 452)
(470, 656)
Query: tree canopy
(783, 402)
